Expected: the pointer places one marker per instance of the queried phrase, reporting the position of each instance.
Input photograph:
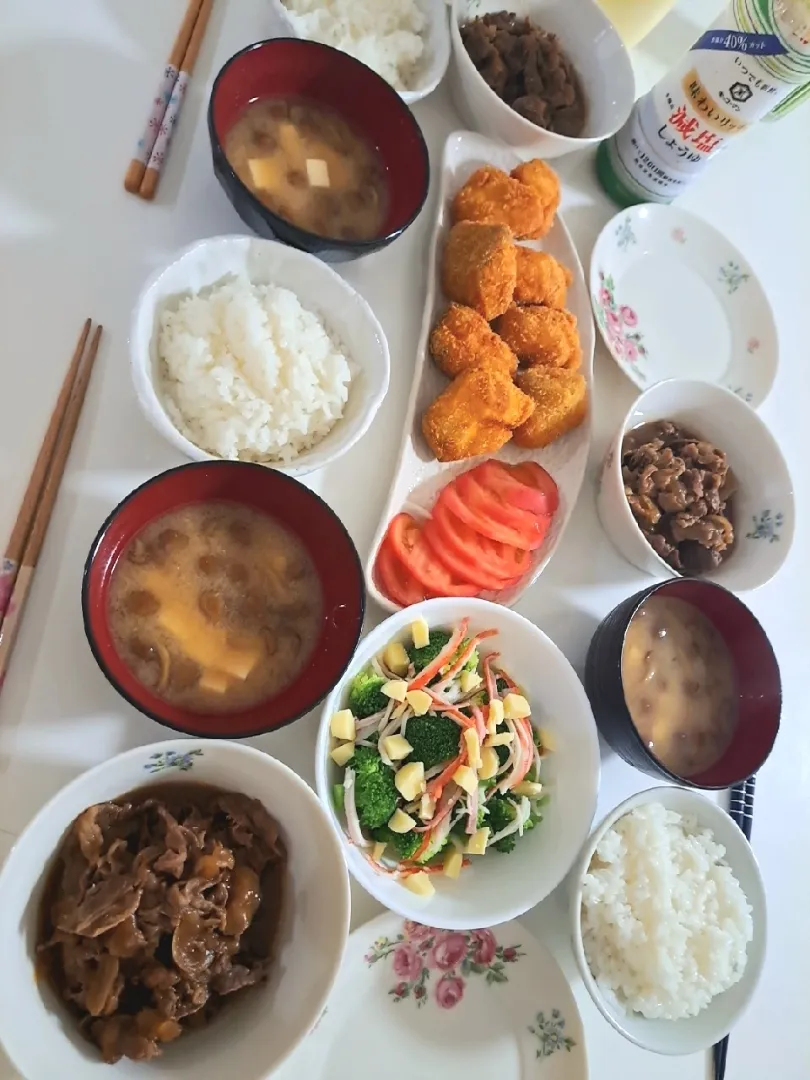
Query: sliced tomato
(473, 505)
(526, 486)
(409, 546)
(500, 508)
(394, 580)
(529, 472)
(463, 550)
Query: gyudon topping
(679, 489)
(160, 905)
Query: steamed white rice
(386, 35)
(665, 924)
(248, 374)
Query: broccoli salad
(441, 760)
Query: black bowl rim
(640, 597)
(88, 566)
(334, 243)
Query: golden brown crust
(492, 197)
(542, 179)
(462, 339)
(479, 267)
(561, 404)
(541, 335)
(540, 279)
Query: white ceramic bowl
(255, 1035)
(594, 48)
(434, 60)
(345, 313)
(762, 508)
(697, 1033)
(496, 887)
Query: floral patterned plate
(413, 1001)
(674, 299)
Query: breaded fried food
(476, 414)
(492, 197)
(541, 335)
(561, 404)
(541, 279)
(542, 179)
(479, 267)
(462, 339)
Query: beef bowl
(185, 903)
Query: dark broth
(215, 607)
(308, 165)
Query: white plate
(412, 1001)
(674, 299)
(419, 476)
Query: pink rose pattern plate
(414, 997)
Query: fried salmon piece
(541, 335)
(476, 414)
(492, 197)
(479, 267)
(542, 179)
(561, 404)
(541, 279)
(462, 339)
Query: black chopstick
(741, 811)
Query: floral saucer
(415, 1001)
(674, 299)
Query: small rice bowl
(247, 373)
(665, 924)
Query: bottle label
(735, 41)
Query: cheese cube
(489, 763)
(396, 689)
(343, 754)
(267, 173)
(420, 884)
(500, 738)
(419, 701)
(420, 633)
(400, 822)
(427, 808)
(473, 748)
(494, 716)
(378, 852)
(395, 658)
(547, 741)
(342, 725)
(477, 844)
(516, 707)
(529, 789)
(470, 680)
(318, 173)
(453, 862)
(396, 747)
(410, 780)
(466, 778)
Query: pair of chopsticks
(741, 811)
(28, 535)
(143, 174)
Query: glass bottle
(634, 19)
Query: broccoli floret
(433, 850)
(434, 738)
(474, 659)
(375, 794)
(404, 844)
(503, 754)
(366, 696)
(420, 658)
(460, 827)
(502, 812)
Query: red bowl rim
(335, 243)
(87, 621)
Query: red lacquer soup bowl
(295, 68)
(294, 506)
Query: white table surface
(75, 82)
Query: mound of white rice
(386, 35)
(665, 923)
(247, 373)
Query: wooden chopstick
(151, 177)
(137, 167)
(12, 617)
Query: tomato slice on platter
(499, 508)
(394, 580)
(410, 548)
(470, 502)
(527, 485)
(464, 551)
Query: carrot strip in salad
(462, 658)
(480, 723)
(437, 784)
(406, 870)
(446, 707)
(428, 673)
(489, 677)
(527, 757)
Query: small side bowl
(294, 67)
(346, 315)
(698, 1033)
(253, 1036)
(763, 507)
(594, 48)
(496, 888)
(435, 58)
(756, 669)
(304, 514)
